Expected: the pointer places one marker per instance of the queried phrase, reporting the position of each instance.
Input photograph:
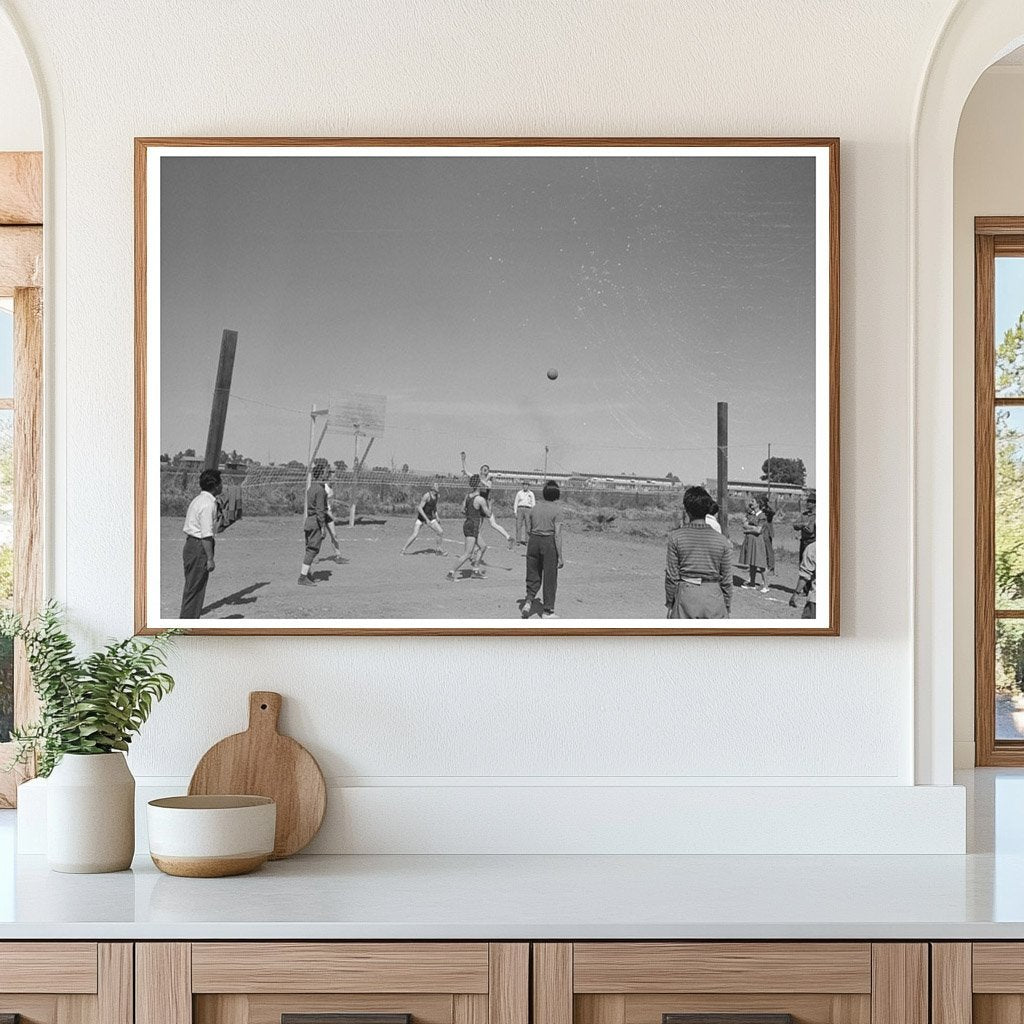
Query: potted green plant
(89, 710)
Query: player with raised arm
(485, 483)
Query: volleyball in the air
(552, 374)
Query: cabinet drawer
(66, 982)
(730, 983)
(635, 967)
(340, 967)
(66, 967)
(981, 982)
(332, 983)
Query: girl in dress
(753, 554)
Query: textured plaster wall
(696, 710)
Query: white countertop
(517, 897)
(978, 896)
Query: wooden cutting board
(262, 762)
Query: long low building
(586, 481)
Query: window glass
(6, 353)
(1009, 679)
(1009, 327)
(1009, 513)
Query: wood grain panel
(163, 983)
(76, 1010)
(552, 983)
(998, 1009)
(998, 225)
(984, 500)
(469, 1009)
(21, 188)
(508, 991)
(21, 259)
(141, 373)
(951, 983)
(65, 967)
(998, 967)
(28, 483)
(899, 991)
(32, 1009)
(851, 1009)
(635, 967)
(594, 1009)
(805, 1008)
(227, 1009)
(339, 967)
(267, 1009)
(115, 983)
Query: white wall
(428, 716)
(21, 127)
(987, 181)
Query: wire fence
(280, 490)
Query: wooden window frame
(993, 237)
(21, 278)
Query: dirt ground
(606, 575)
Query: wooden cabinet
(263, 982)
(759, 982)
(494, 983)
(978, 983)
(66, 982)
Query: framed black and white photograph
(450, 386)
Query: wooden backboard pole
(221, 395)
(723, 467)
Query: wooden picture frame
(157, 554)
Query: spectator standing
(698, 567)
(752, 553)
(768, 533)
(544, 552)
(197, 556)
(806, 527)
(524, 501)
(806, 581)
(314, 525)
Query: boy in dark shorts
(476, 509)
(426, 515)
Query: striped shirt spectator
(697, 556)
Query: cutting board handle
(264, 710)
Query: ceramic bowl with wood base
(211, 836)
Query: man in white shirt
(200, 528)
(525, 500)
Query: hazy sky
(1009, 298)
(655, 286)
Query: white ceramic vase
(90, 814)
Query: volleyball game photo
(526, 389)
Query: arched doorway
(976, 34)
